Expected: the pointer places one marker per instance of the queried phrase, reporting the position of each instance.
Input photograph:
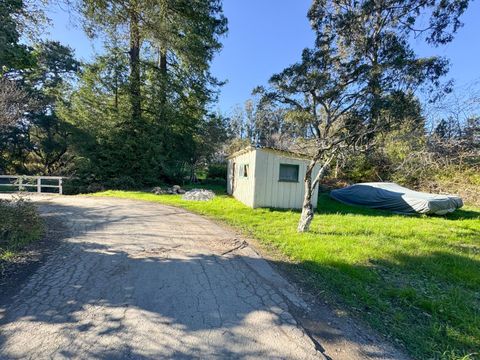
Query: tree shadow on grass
(463, 214)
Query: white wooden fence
(25, 183)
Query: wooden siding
(269, 191)
(243, 188)
(262, 188)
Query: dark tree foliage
(138, 114)
(13, 103)
(13, 55)
(144, 103)
(39, 141)
(49, 82)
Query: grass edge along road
(416, 279)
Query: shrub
(20, 224)
(217, 171)
(455, 180)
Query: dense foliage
(139, 113)
(142, 107)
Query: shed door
(233, 176)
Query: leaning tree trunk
(307, 208)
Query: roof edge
(241, 152)
(270, 149)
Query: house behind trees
(267, 177)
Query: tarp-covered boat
(396, 198)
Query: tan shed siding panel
(253, 171)
(266, 188)
(272, 193)
(229, 177)
(244, 187)
(262, 188)
(269, 191)
(261, 178)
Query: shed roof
(287, 153)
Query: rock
(175, 189)
(158, 190)
(199, 195)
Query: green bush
(73, 186)
(119, 183)
(217, 171)
(21, 224)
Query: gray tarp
(396, 198)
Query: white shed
(266, 177)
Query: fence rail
(24, 182)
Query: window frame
(242, 171)
(297, 166)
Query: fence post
(39, 185)
(60, 186)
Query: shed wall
(230, 176)
(240, 187)
(269, 191)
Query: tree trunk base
(306, 218)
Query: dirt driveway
(137, 280)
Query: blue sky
(265, 36)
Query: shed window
(244, 170)
(288, 173)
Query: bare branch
(13, 103)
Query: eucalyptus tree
(320, 94)
(361, 70)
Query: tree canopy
(361, 75)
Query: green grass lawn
(416, 279)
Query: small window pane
(243, 170)
(288, 172)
